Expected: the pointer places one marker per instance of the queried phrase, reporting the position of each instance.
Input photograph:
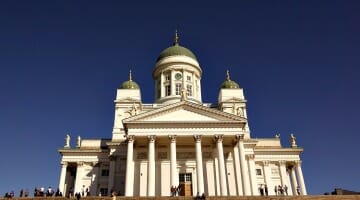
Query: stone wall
(309, 197)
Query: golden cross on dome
(176, 38)
(130, 76)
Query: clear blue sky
(62, 61)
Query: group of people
(263, 189)
(281, 190)
(278, 190)
(175, 190)
(38, 192)
(84, 192)
(48, 193)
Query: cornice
(188, 106)
(277, 149)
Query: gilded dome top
(229, 84)
(176, 50)
(130, 84)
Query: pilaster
(267, 174)
(111, 174)
(253, 182)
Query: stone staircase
(309, 197)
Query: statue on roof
(183, 94)
(292, 140)
(67, 141)
(78, 141)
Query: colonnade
(129, 180)
(244, 169)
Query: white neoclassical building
(180, 141)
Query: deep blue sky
(61, 62)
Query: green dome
(176, 50)
(229, 84)
(129, 85)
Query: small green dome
(229, 84)
(176, 50)
(129, 85)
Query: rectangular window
(189, 90)
(105, 172)
(188, 78)
(258, 172)
(177, 88)
(185, 177)
(167, 90)
(167, 77)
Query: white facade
(180, 141)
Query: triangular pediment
(184, 112)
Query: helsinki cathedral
(181, 142)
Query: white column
(223, 184)
(283, 174)
(300, 178)
(199, 165)
(63, 177)
(237, 171)
(78, 185)
(244, 174)
(251, 164)
(129, 177)
(111, 174)
(151, 166)
(267, 174)
(293, 181)
(173, 171)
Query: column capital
(64, 163)
(250, 156)
(266, 162)
(219, 138)
(172, 138)
(239, 137)
(130, 138)
(152, 138)
(298, 162)
(80, 163)
(282, 162)
(197, 138)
